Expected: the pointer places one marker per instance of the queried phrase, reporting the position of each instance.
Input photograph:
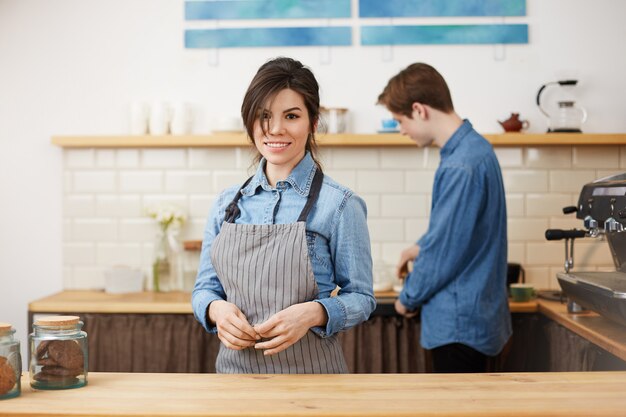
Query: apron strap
(314, 192)
(232, 210)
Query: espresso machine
(602, 208)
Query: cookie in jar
(10, 363)
(58, 350)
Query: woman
(275, 248)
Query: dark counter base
(386, 343)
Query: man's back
(464, 252)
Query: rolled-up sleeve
(352, 262)
(208, 287)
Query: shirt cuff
(337, 317)
(406, 302)
(200, 304)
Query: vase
(167, 268)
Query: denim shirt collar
(455, 139)
(300, 178)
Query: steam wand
(569, 236)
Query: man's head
(419, 99)
(417, 83)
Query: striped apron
(265, 268)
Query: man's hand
(233, 328)
(403, 311)
(288, 326)
(406, 256)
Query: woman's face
(286, 121)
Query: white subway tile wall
(107, 192)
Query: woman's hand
(289, 325)
(406, 256)
(233, 328)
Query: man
(459, 265)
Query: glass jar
(58, 353)
(334, 120)
(167, 266)
(10, 363)
(569, 117)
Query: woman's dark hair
(417, 83)
(272, 77)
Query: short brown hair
(272, 77)
(417, 83)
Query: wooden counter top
(100, 302)
(159, 303)
(514, 394)
(605, 333)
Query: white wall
(73, 67)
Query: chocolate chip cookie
(66, 354)
(61, 371)
(59, 380)
(7, 376)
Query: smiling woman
(282, 100)
(276, 248)
(282, 133)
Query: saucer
(388, 131)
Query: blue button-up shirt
(337, 239)
(459, 276)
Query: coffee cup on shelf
(160, 114)
(139, 116)
(388, 125)
(181, 119)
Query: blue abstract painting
(267, 9)
(444, 34)
(431, 8)
(274, 36)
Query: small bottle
(58, 353)
(10, 363)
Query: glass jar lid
(5, 328)
(58, 321)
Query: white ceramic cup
(159, 118)
(181, 119)
(229, 123)
(139, 116)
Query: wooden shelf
(230, 139)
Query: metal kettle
(565, 116)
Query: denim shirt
(459, 276)
(337, 240)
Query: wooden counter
(515, 394)
(386, 343)
(603, 332)
(147, 302)
(593, 327)
(160, 303)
